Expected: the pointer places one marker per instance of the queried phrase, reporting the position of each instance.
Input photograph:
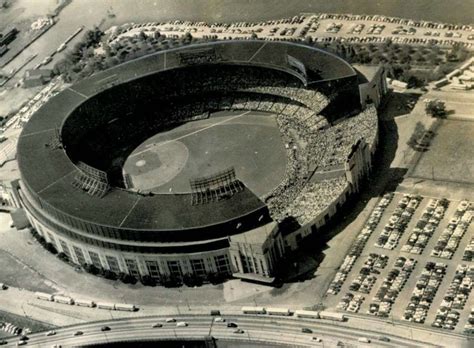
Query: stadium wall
(154, 251)
(212, 261)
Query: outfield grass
(249, 142)
(22, 322)
(451, 154)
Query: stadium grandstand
(80, 195)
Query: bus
(85, 303)
(332, 316)
(44, 296)
(125, 307)
(63, 299)
(253, 310)
(307, 314)
(105, 305)
(278, 311)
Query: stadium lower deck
(86, 133)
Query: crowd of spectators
(332, 146)
(313, 199)
(311, 143)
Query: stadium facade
(77, 197)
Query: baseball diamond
(193, 160)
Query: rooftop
(48, 172)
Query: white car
(316, 339)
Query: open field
(249, 142)
(450, 156)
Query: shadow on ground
(303, 265)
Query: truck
(253, 310)
(126, 307)
(307, 314)
(106, 305)
(332, 316)
(44, 296)
(63, 299)
(85, 303)
(278, 311)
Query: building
(80, 205)
(37, 77)
(372, 83)
(256, 253)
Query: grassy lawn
(23, 322)
(451, 154)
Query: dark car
(306, 330)
(239, 331)
(78, 333)
(105, 328)
(232, 325)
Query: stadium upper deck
(47, 172)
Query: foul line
(53, 183)
(106, 78)
(192, 133)
(78, 93)
(38, 132)
(253, 56)
(129, 212)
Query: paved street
(255, 328)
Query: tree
(186, 38)
(147, 280)
(108, 274)
(63, 257)
(142, 36)
(435, 108)
(4, 4)
(50, 247)
(127, 278)
(90, 268)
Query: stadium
(190, 162)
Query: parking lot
(409, 263)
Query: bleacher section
(312, 145)
(215, 187)
(93, 181)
